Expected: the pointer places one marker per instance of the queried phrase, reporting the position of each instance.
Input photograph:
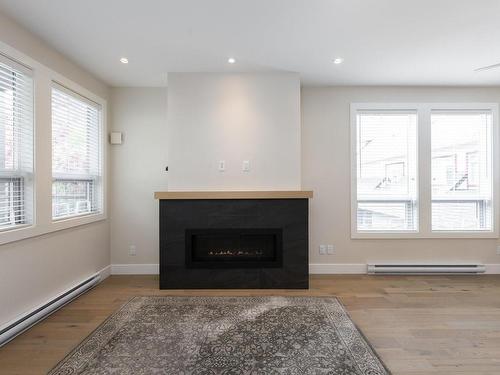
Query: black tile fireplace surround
(234, 243)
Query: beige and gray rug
(225, 335)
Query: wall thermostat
(115, 138)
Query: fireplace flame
(235, 252)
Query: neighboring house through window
(395, 145)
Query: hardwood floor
(418, 324)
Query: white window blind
(461, 170)
(386, 158)
(16, 144)
(76, 154)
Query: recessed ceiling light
(338, 60)
(231, 60)
(124, 60)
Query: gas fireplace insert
(234, 247)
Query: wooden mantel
(291, 194)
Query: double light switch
(245, 166)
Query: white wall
(36, 269)
(326, 170)
(233, 117)
(210, 117)
(138, 169)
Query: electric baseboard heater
(18, 326)
(426, 269)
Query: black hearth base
(285, 259)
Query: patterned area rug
(225, 335)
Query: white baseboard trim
(318, 268)
(135, 269)
(360, 268)
(314, 269)
(336, 268)
(105, 272)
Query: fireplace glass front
(234, 248)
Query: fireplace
(234, 247)
(229, 240)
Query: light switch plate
(330, 250)
(246, 166)
(322, 249)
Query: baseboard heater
(426, 269)
(18, 326)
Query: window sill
(417, 235)
(73, 221)
(15, 228)
(30, 231)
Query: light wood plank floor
(418, 325)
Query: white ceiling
(383, 42)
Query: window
(76, 155)
(424, 170)
(386, 171)
(461, 170)
(77, 152)
(16, 145)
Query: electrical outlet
(222, 165)
(498, 250)
(322, 249)
(132, 250)
(330, 250)
(246, 166)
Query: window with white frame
(386, 170)
(451, 145)
(16, 144)
(462, 179)
(76, 155)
